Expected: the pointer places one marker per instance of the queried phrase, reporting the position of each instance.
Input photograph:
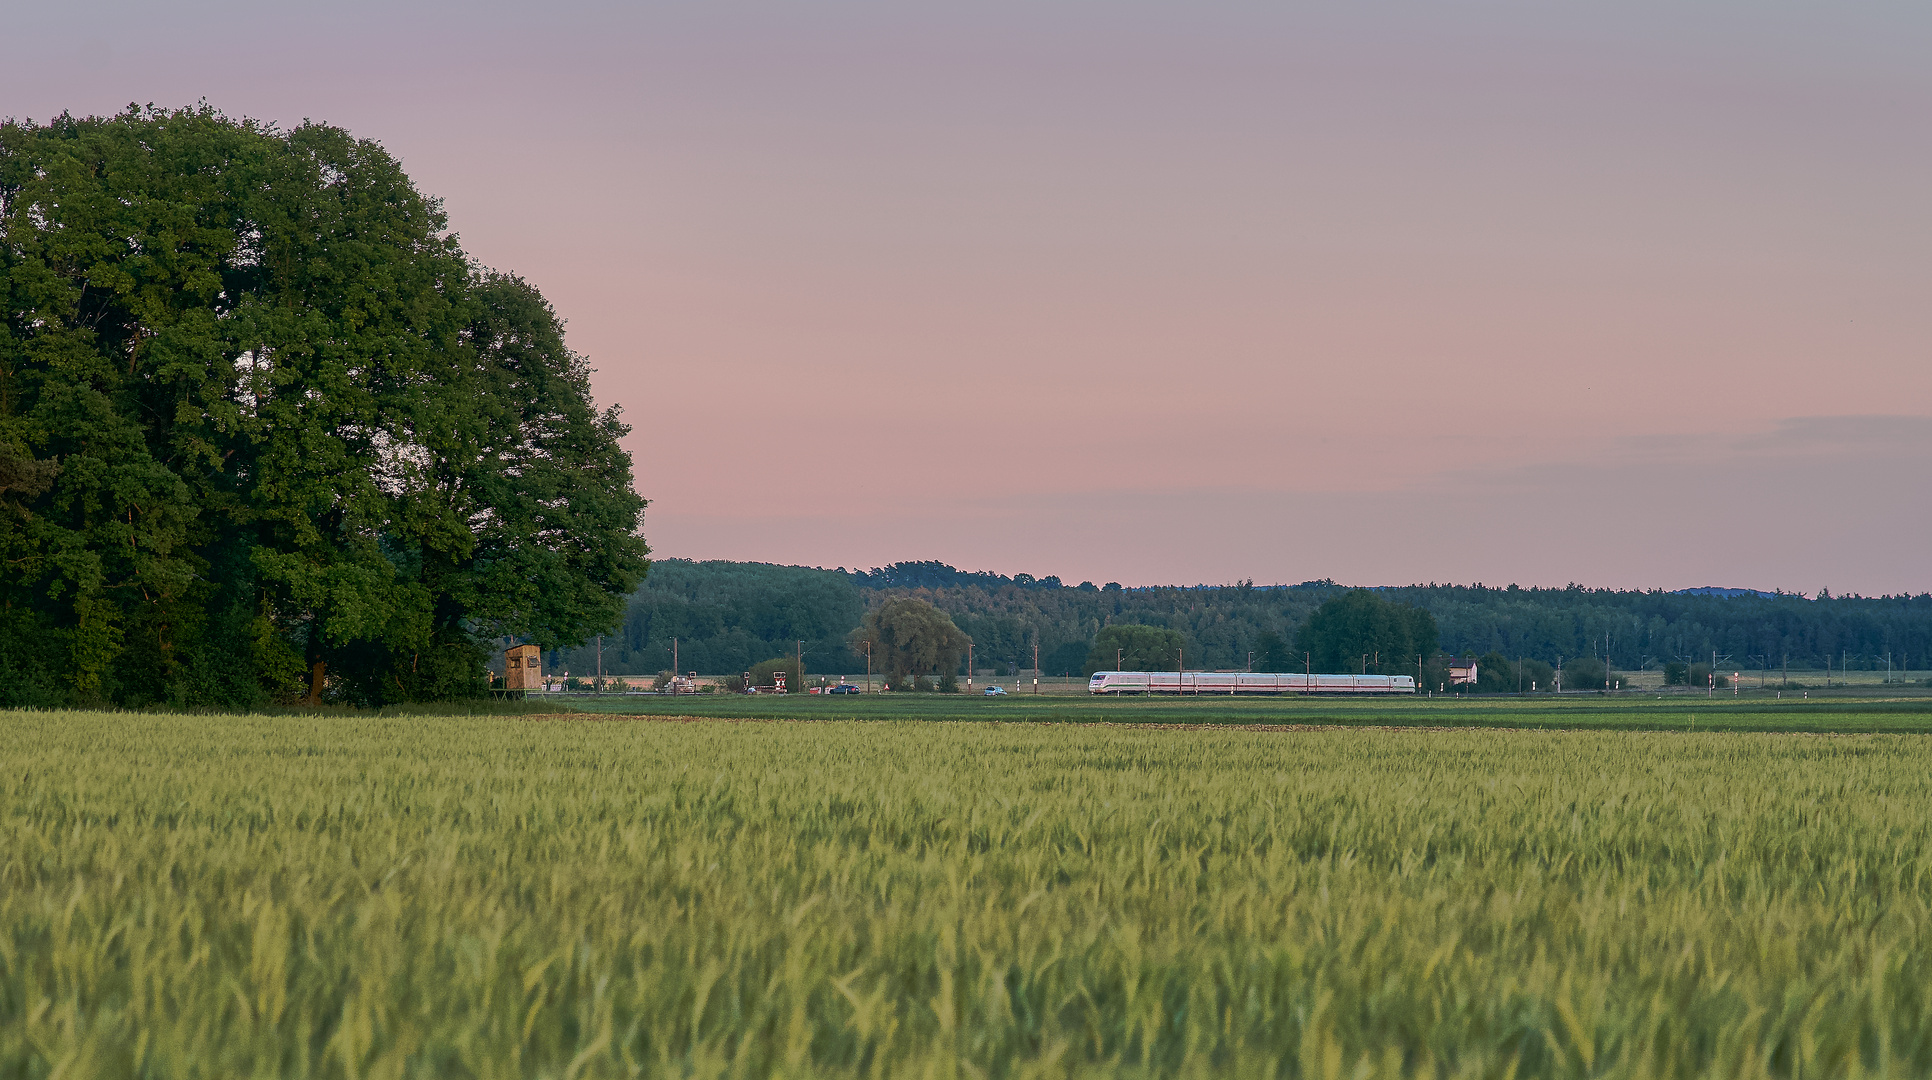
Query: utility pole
(1117, 654)
(1250, 661)
(674, 656)
(868, 667)
(1036, 661)
(969, 665)
(600, 663)
(1180, 676)
(1308, 679)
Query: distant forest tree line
(728, 616)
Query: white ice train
(1241, 682)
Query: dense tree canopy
(265, 431)
(1359, 631)
(1270, 653)
(723, 617)
(729, 615)
(764, 673)
(1131, 647)
(910, 637)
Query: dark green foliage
(552, 546)
(1695, 677)
(1271, 653)
(1583, 673)
(1496, 674)
(726, 616)
(1221, 624)
(1650, 628)
(909, 638)
(1067, 658)
(763, 673)
(260, 420)
(1131, 647)
(1362, 632)
(1700, 679)
(26, 679)
(938, 575)
(1499, 674)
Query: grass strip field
(496, 897)
(1680, 712)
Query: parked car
(843, 688)
(996, 691)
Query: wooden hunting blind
(523, 668)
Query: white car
(996, 691)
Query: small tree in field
(763, 671)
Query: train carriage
(1244, 682)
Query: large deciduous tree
(910, 638)
(1359, 630)
(265, 431)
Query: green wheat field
(355, 896)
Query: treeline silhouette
(727, 616)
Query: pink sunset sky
(1630, 294)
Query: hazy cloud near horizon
(1627, 294)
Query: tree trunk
(316, 672)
